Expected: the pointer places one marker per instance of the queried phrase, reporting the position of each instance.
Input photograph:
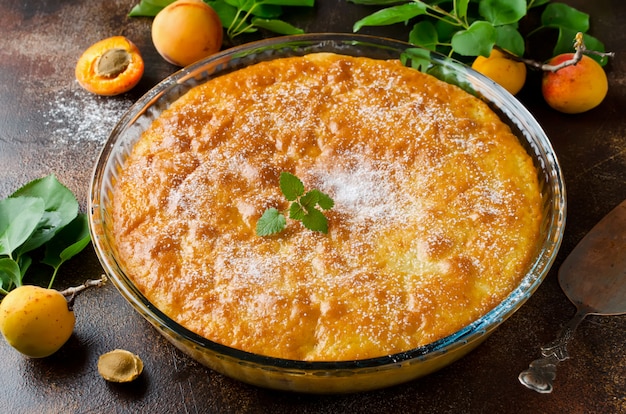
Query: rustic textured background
(48, 124)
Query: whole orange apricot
(36, 321)
(110, 67)
(186, 31)
(576, 88)
(504, 71)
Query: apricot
(110, 67)
(576, 88)
(36, 321)
(503, 70)
(186, 31)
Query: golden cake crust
(436, 217)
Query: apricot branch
(72, 292)
(580, 50)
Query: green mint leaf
(499, 12)
(391, 15)
(561, 15)
(19, 217)
(291, 186)
(60, 206)
(424, 34)
(477, 40)
(271, 222)
(323, 200)
(315, 220)
(9, 274)
(302, 208)
(310, 199)
(296, 211)
(277, 26)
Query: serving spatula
(594, 278)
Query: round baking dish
(343, 376)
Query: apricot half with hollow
(186, 31)
(36, 321)
(110, 67)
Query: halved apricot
(110, 67)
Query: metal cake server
(594, 278)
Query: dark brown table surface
(48, 124)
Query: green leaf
(477, 40)
(144, 9)
(310, 199)
(323, 200)
(460, 8)
(271, 222)
(70, 241)
(565, 44)
(537, 3)
(391, 15)
(226, 12)
(560, 15)
(424, 34)
(416, 58)
(60, 205)
(291, 186)
(315, 220)
(19, 217)
(257, 8)
(9, 274)
(296, 211)
(158, 3)
(509, 38)
(445, 30)
(500, 12)
(277, 26)
(376, 2)
(300, 3)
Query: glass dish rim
(531, 281)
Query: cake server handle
(541, 372)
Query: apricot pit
(120, 365)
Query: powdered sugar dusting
(83, 117)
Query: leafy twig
(467, 32)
